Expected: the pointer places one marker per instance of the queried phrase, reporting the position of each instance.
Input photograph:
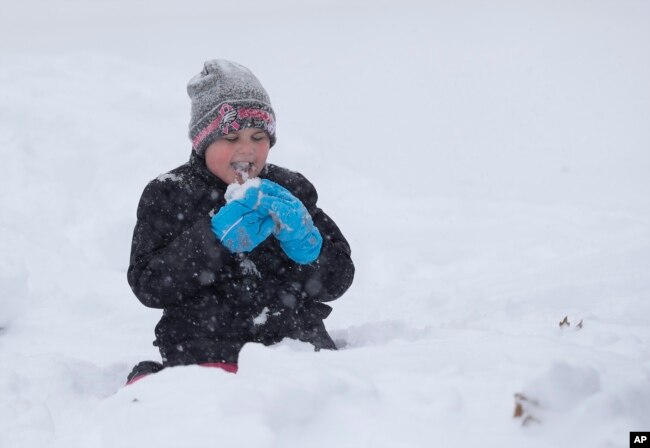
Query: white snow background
(488, 161)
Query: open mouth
(242, 167)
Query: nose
(245, 147)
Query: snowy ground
(488, 162)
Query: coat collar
(198, 166)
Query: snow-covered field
(488, 161)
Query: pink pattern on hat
(227, 119)
(228, 116)
(259, 114)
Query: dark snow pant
(306, 326)
(211, 351)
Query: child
(228, 263)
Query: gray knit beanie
(226, 97)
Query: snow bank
(13, 284)
(568, 397)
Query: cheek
(217, 160)
(223, 160)
(217, 154)
(263, 152)
(212, 163)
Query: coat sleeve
(333, 271)
(171, 261)
(331, 274)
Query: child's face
(239, 155)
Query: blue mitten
(241, 225)
(294, 228)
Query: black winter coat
(215, 301)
